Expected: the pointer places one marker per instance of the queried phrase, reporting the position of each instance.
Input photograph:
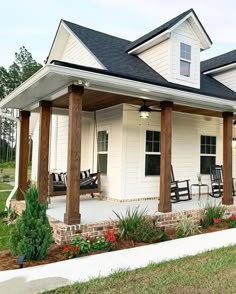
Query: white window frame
(148, 152)
(207, 154)
(189, 61)
(104, 152)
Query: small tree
(31, 234)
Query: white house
(190, 105)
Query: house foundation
(62, 233)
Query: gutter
(103, 80)
(8, 201)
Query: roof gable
(69, 48)
(163, 32)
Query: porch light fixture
(144, 111)
(234, 135)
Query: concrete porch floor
(95, 210)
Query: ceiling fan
(145, 110)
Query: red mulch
(55, 254)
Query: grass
(4, 228)
(212, 272)
(10, 171)
(4, 186)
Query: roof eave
(58, 78)
(220, 69)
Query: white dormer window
(185, 59)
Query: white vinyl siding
(158, 58)
(76, 52)
(164, 58)
(185, 34)
(186, 132)
(125, 177)
(59, 144)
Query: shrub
(211, 212)
(31, 234)
(186, 227)
(148, 232)
(232, 221)
(129, 222)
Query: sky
(33, 24)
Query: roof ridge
(66, 21)
(217, 56)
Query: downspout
(8, 202)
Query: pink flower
(216, 220)
(233, 217)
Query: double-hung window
(208, 153)
(152, 153)
(103, 151)
(185, 59)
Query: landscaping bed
(31, 233)
(55, 252)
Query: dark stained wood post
(24, 154)
(165, 168)
(72, 214)
(43, 150)
(227, 158)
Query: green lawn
(4, 186)
(212, 272)
(4, 228)
(10, 171)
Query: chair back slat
(172, 175)
(216, 173)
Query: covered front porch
(94, 210)
(63, 87)
(98, 215)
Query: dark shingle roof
(163, 28)
(219, 61)
(110, 51)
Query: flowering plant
(71, 251)
(110, 239)
(216, 221)
(232, 221)
(105, 242)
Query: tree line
(20, 70)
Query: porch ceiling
(96, 100)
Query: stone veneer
(63, 233)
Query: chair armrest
(182, 181)
(93, 175)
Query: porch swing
(90, 183)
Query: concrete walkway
(41, 278)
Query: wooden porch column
(227, 158)
(43, 149)
(165, 166)
(24, 154)
(72, 214)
